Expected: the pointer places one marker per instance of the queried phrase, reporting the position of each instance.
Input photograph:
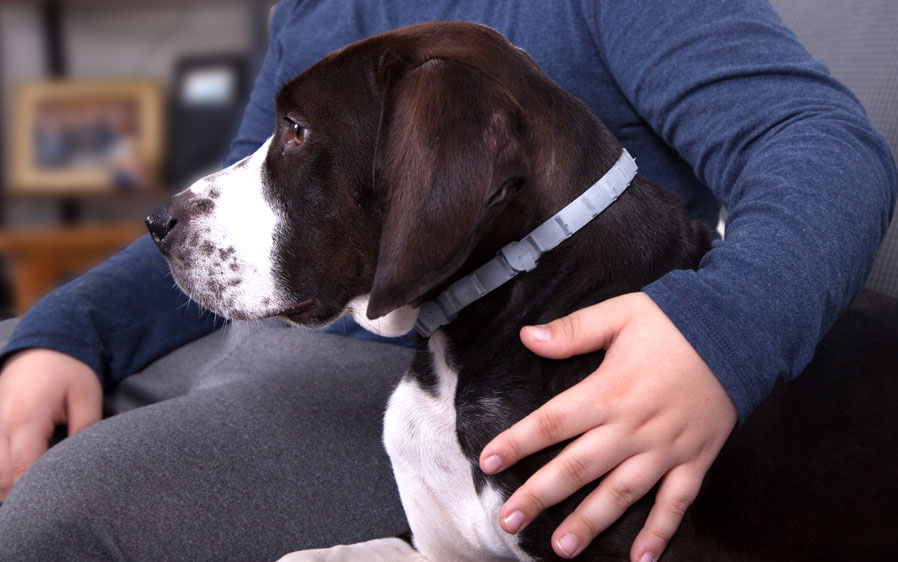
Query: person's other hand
(40, 389)
(653, 411)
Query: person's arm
(809, 186)
(117, 318)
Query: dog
(402, 163)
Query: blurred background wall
(186, 65)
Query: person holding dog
(687, 358)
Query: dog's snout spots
(203, 206)
(222, 257)
(226, 253)
(215, 287)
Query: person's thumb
(582, 331)
(84, 404)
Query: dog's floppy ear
(448, 157)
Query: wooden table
(43, 258)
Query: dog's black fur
(471, 147)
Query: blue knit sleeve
(127, 312)
(808, 184)
(258, 118)
(118, 317)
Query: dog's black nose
(160, 222)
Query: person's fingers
(582, 461)
(567, 415)
(84, 405)
(6, 478)
(21, 434)
(630, 393)
(572, 412)
(582, 331)
(618, 490)
(28, 442)
(678, 490)
(40, 388)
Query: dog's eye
(299, 134)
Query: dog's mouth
(301, 313)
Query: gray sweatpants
(252, 442)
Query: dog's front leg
(378, 550)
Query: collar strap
(518, 257)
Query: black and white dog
(403, 163)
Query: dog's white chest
(448, 519)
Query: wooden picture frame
(86, 136)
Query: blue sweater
(718, 102)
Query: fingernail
(492, 464)
(514, 522)
(539, 333)
(568, 544)
(648, 557)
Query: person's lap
(274, 445)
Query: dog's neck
(523, 255)
(639, 238)
(644, 234)
(636, 240)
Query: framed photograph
(72, 137)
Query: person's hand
(39, 389)
(653, 411)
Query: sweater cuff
(673, 295)
(89, 353)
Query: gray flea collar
(518, 257)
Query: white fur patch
(378, 550)
(449, 521)
(391, 325)
(231, 268)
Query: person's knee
(54, 511)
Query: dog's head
(391, 164)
